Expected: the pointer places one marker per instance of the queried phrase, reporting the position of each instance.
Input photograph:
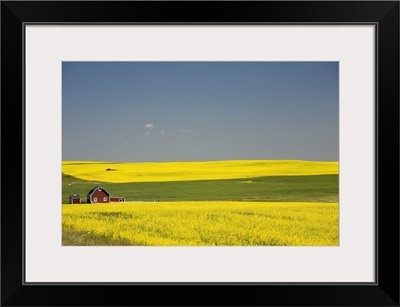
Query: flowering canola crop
(203, 223)
(181, 171)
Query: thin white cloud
(152, 129)
(183, 132)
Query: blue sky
(197, 111)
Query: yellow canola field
(182, 171)
(213, 223)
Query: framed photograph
(205, 148)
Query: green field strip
(313, 188)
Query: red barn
(100, 195)
(74, 199)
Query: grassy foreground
(214, 223)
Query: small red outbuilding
(74, 199)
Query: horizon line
(175, 161)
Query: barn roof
(75, 196)
(94, 189)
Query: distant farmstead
(100, 195)
(74, 199)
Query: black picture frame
(383, 14)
